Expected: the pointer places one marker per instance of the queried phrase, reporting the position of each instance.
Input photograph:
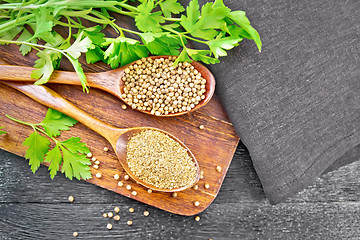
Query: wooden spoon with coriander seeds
(117, 137)
(151, 85)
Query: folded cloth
(296, 104)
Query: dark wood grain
(34, 207)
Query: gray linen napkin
(295, 105)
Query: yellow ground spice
(159, 160)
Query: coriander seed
(116, 217)
(156, 81)
(97, 162)
(75, 234)
(120, 184)
(116, 209)
(207, 186)
(131, 210)
(93, 159)
(96, 166)
(98, 175)
(109, 226)
(71, 199)
(116, 176)
(110, 214)
(124, 106)
(126, 177)
(149, 191)
(197, 218)
(105, 149)
(89, 155)
(134, 193)
(218, 168)
(196, 187)
(129, 222)
(146, 213)
(128, 187)
(196, 203)
(105, 215)
(201, 127)
(174, 194)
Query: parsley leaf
(56, 121)
(25, 36)
(38, 147)
(70, 154)
(44, 67)
(43, 21)
(240, 18)
(54, 158)
(79, 46)
(123, 50)
(161, 43)
(219, 45)
(74, 164)
(171, 6)
(2, 132)
(147, 21)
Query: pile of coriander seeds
(159, 87)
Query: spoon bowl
(117, 137)
(109, 81)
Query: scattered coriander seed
(97, 162)
(116, 217)
(75, 234)
(116, 209)
(124, 106)
(116, 176)
(105, 215)
(126, 177)
(131, 210)
(201, 176)
(129, 222)
(157, 159)
(109, 226)
(93, 159)
(149, 191)
(146, 213)
(128, 187)
(161, 88)
(196, 187)
(196, 203)
(134, 193)
(207, 186)
(98, 175)
(71, 198)
(110, 214)
(106, 149)
(201, 127)
(96, 166)
(89, 155)
(218, 168)
(120, 184)
(197, 218)
(174, 194)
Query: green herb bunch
(69, 154)
(164, 27)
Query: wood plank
(212, 146)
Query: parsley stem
(11, 24)
(173, 19)
(32, 44)
(19, 121)
(194, 39)
(127, 6)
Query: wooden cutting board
(212, 146)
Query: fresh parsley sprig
(70, 154)
(164, 28)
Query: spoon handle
(50, 98)
(107, 81)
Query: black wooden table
(32, 206)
